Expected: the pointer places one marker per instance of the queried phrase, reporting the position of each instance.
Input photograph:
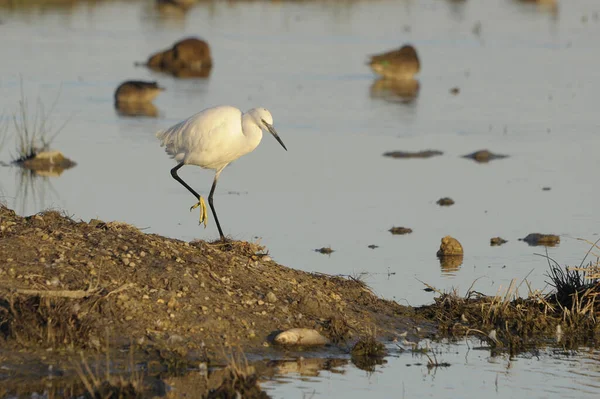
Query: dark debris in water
(548, 240)
(325, 250)
(496, 241)
(484, 156)
(400, 230)
(446, 201)
(373, 246)
(418, 154)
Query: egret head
(264, 120)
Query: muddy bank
(67, 285)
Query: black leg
(212, 207)
(180, 180)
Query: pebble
(271, 297)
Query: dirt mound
(71, 284)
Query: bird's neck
(252, 131)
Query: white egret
(212, 139)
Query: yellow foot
(203, 213)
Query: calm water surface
(529, 84)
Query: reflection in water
(450, 264)
(549, 6)
(306, 367)
(396, 90)
(136, 109)
(457, 9)
(174, 8)
(35, 186)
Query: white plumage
(212, 139)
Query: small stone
(125, 261)
(271, 297)
(260, 303)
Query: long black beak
(272, 130)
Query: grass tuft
(34, 130)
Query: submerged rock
(134, 97)
(496, 241)
(189, 57)
(325, 250)
(397, 64)
(446, 201)
(137, 91)
(400, 230)
(548, 240)
(300, 336)
(418, 154)
(484, 156)
(450, 247)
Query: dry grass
(34, 130)
(104, 385)
(45, 321)
(368, 352)
(239, 381)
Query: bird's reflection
(396, 90)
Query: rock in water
(300, 336)
(450, 247)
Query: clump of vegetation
(368, 352)
(38, 319)
(34, 131)
(337, 329)
(567, 315)
(107, 386)
(239, 381)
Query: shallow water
(546, 374)
(528, 89)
